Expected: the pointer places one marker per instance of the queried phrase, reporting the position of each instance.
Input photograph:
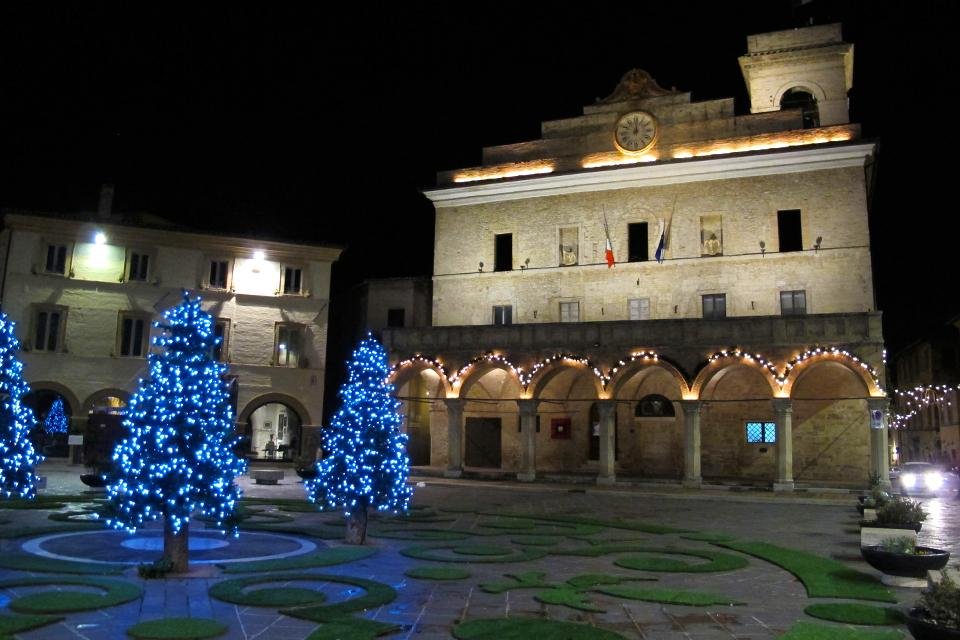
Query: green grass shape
(587, 580)
(567, 598)
(822, 577)
(235, 591)
(482, 550)
(437, 573)
(711, 536)
(352, 629)
(324, 558)
(525, 580)
(854, 613)
(536, 541)
(435, 554)
(177, 629)
(375, 594)
(39, 564)
(716, 561)
(420, 534)
(665, 596)
(814, 631)
(45, 602)
(508, 523)
(300, 507)
(525, 628)
(293, 529)
(10, 625)
(599, 523)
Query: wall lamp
(480, 269)
(816, 247)
(763, 248)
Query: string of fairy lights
(526, 378)
(911, 402)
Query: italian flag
(609, 254)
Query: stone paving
(822, 524)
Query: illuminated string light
(56, 420)
(739, 354)
(366, 464)
(17, 456)
(178, 456)
(912, 401)
(486, 358)
(526, 379)
(418, 359)
(828, 352)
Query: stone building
(736, 337)
(84, 291)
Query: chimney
(105, 207)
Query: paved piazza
(824, 524)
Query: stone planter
(94, 480)
(906, 565)
(922, 629)
(910, 526)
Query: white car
(923, 477)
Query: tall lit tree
(366, 465)
(56, 420)
(17, 456)
(178, 455)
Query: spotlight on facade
(100, 237)
(259, 254)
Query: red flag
(609, 252)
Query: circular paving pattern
(206, 547)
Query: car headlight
(933, 480)
(909, 480)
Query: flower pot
(923, 628)
(915, 526)
(94, 480)
(907, 565)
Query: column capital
(455, 404)
(783, 405)
(606, 407)
(693, 406)
(882, 403)
(528, 407)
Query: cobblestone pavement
(825, 524)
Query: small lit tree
(366, 465)
(17, 455)
(56, 420)
(178, 457)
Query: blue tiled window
(761, 432)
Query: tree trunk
(357, 527)
(175, 547)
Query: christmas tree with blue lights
(56, 420)
(178, 455)
(366, 465)
(17, 456)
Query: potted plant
(305, 467)
(902, 557)
(937, 614)
(898, 513)
(874, 500)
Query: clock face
(635, 132)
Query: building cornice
(759, 163)
(131, 236)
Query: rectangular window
(221, 329)
(289, 344)
(711, 236)
(219, 276)
(56, 259)
(761, 432)
(789, 230)
(638, 249)
(639, 308)
(793, 303)
(138, 266)
(48, 327)
(569, 246)
(134, 335)
(714, 306)
(396, 318)
(503, 252)
(502, 314)
(569, 312)
(292, 281)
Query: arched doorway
(49, 436)
(420, 392)
(490, 437)
(275, 432)
(105, 411)
(800, 98)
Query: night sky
(322, 125)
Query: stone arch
(623, 374)
(713, 371)
(812, 88)
(281, 398)
(478, 370)
(104, 393)
(403, 375)
(68, 396)
(548, 373)
(799, 370)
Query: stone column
(528, 440)
(454, 437)
(783, 410)
(607, 411)
(879, 446)
(691, 443)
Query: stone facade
(736, 337)
(90, 357)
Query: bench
(266, 476)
